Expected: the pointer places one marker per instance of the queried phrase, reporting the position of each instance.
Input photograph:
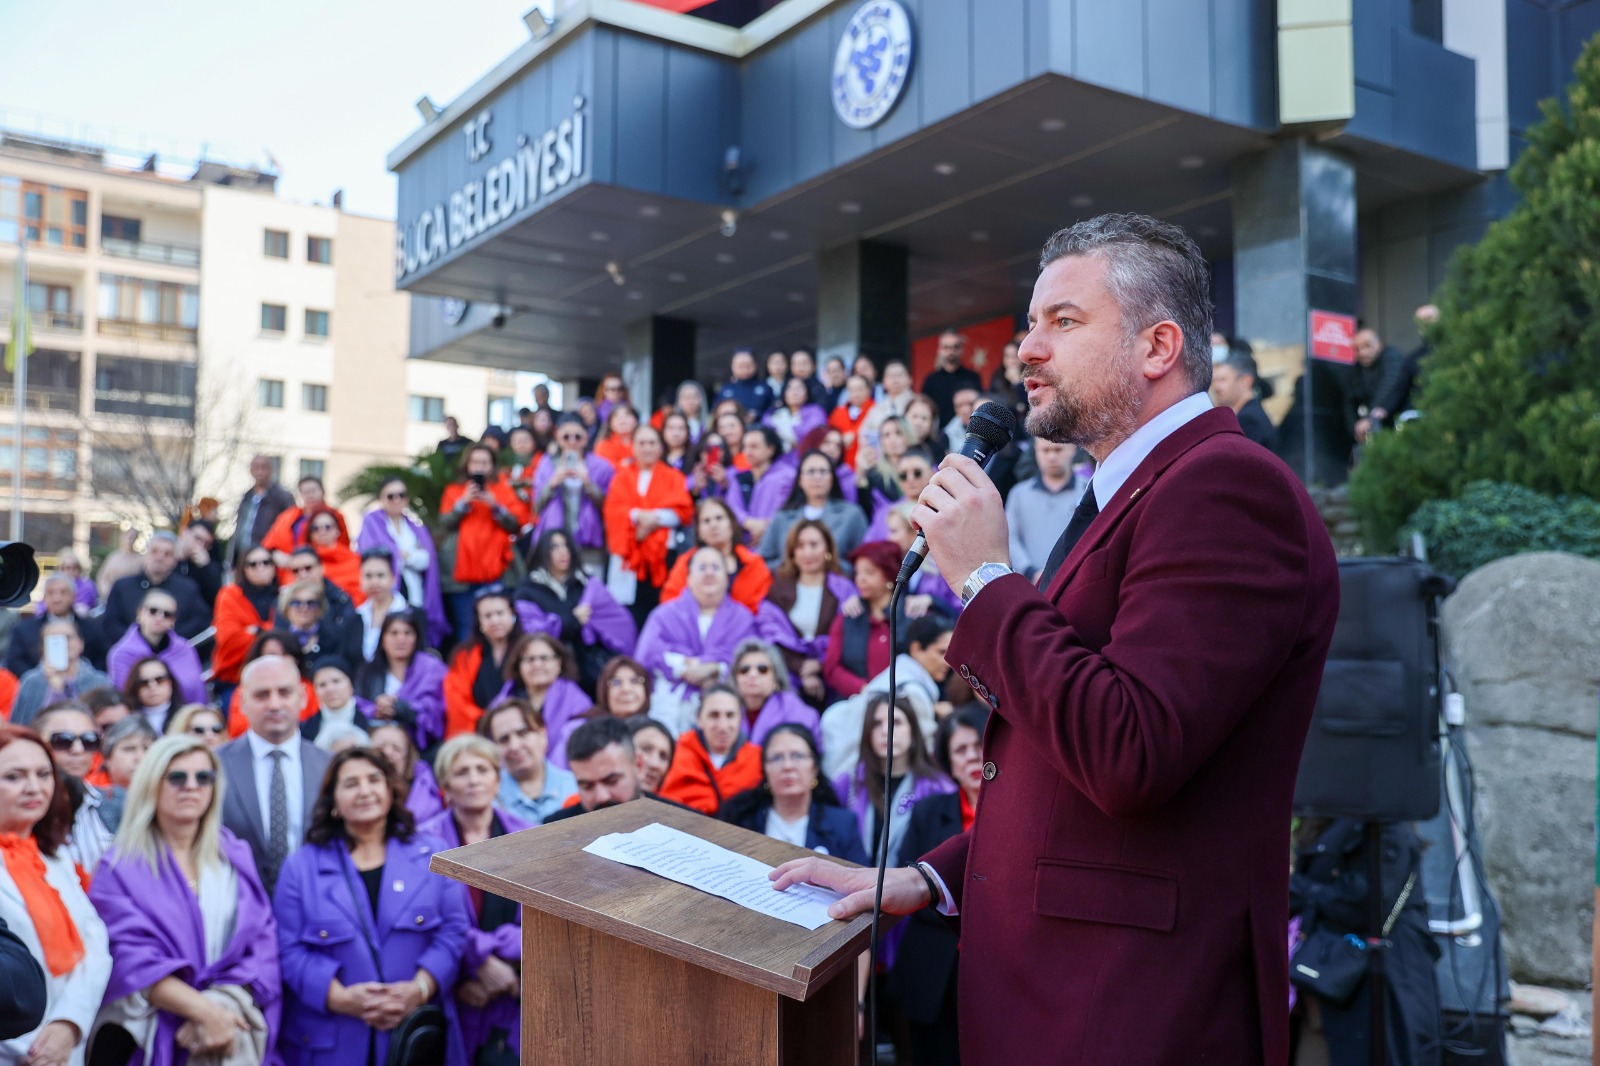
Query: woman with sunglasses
(152, 636)
(816, 495)
(762, 682)
(558, 598)
(326, 534)
(396, 931)
(149, 692)
(794, 803)
(197, 975)
(244, 608)
(74, 741)
(477, 667)
(569, 491)
(409, 545)
(716, 527)
(42, 901)
(541, 671)
(405, 681)
(302, 617)
(613, 394)
(201, 722)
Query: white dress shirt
(293, 780)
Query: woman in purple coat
(796, 416)
(419, 790)
(366, 933)
(762, 681)
(197, 973)
(541, 669)
(152, 636)
(688, 642)
(569, 489)
(411, 549)
(404, 681)
(558, 598)
(490, 992)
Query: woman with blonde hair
(197, 975)
(200, 721)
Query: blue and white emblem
(872, 63)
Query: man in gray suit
(273, 774)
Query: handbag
(1331, 965)
(419, 1039)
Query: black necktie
(1087, 508)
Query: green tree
(426, 479)
(1509, 391)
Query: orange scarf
(52, 922)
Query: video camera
(19, 574)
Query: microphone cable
(895, 599)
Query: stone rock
(1534, 1044)
(1523, 635)
(1538, 1001)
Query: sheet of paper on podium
(687, 859)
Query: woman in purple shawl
(194, 945)
(85, 593)
(421, 796)
(540, 669)
(689, 642)
(405, 682)
(796, 415)
(411, 548)
(762, 682)
(569, 488)
(559, 599)
(490, 991)
(152, 636)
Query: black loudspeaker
(1373, 749)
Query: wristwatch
(984, 574)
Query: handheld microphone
(989, 430)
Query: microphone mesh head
(994, 424)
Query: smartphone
(713, 456)
(55, 651)
(478, 480)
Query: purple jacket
(785, 708)
(88, 594)
(424, 801)
(562, 703)
(181, 659)
(769, 492)
(810, 417)
(878, 528)
(423, 692)
(591, 531)
(324, 928)
(610, 624)
(504, 941)
(375, 534)
(675, 627)
(149, 943)
(928, 583)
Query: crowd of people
(225, 769)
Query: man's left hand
(964, 518)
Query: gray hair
(1155, 273)
(129, 728)
(760, 647)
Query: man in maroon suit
(1123, 892)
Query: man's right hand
(904, 889)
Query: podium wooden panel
(622, 967)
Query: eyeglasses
(628, 680)
(816, 471)
(914, 472)
(756, 668)
(397, 495)
(303, 568)
(790, 758)
(257, 562)
(305, 604)
(202, 730)
(162, 679)
(63, 742)
(202, 778)
(160, 612)
(541, 658)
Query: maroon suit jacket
(1123, 893)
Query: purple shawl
(423, 801)
(785, 708)
(591, 531)
(769, 492)
(375, 534)
(847, 483)
(675, 627)
(878, 528)
(504, 941)
(929, 583)
(423, 689)
(774, 627)
(149, 943)
(610, 624)
(181, 659)
(563, 702)
(810, 417)
(87, 594)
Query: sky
(327, 87)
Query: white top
(293, 774)
(807, 610)
(391, 684)
(405, 539)
(157, 717)
(371, 627)
(789, 832)
(1125, 458)
(813, 513)
(219, 906)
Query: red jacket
(483, 547)
(237, 625)
(667, 492)
(1124, 888)
(692, 780)
(850, 429)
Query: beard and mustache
(1091, 413)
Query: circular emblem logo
(453, 310)
(872, 63)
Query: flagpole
(20, 378)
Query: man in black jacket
(260, 506)
(942, 383)
(24, 649)
(1233, 383)
(160, 572)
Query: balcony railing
(45, 321)
(149, 331)
(41, 398)
(175, 254)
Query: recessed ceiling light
(1053, 125)
(944, 169)
(724, 257)
(751, 312)
(599, 235)
(677, 277)
(980, 235)
(650, 211)
(780, 234)
(1191, 162)
(1082, 200)
(796, 297)
(850, 207)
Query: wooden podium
(620, 966)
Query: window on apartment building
(316, 323)
(155, 303)
(49, 215)
(316, 468)
(314, 397)
(319, 250)
(141, 388)
(427, 408)
(274, 318)
(275, 244)
(118, 228)
(269, 393)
